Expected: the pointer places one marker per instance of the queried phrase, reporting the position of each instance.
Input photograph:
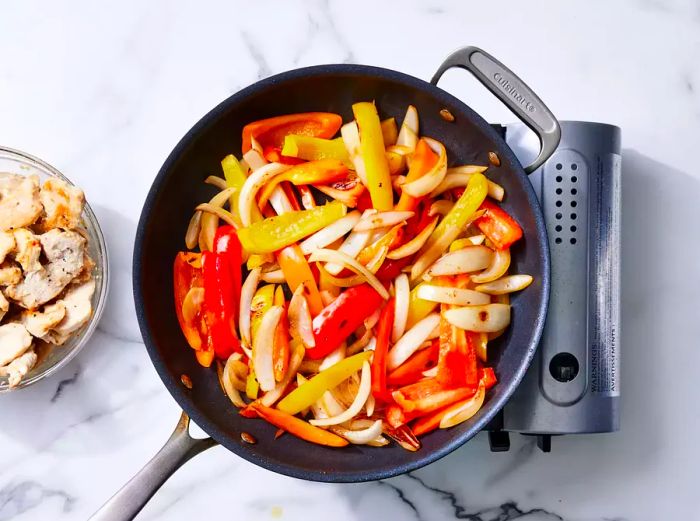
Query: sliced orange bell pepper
(274, 155)
(298, 427)
(205, 357)
(373, 156)
(323, 171)
(271, 131)
(428, 395)
(280, 349)
(296, 272)
(423, 160)
(369, 252)
(412, 369)
(457, 365)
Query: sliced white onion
(300, 324)
(431, 179)
(402, 291)
(441, 207)
(467, 169)
(466, 260)
(466, 411)
(397, 181)
(449, 295)
(356, 406)
(263, 347)
(333, 357)
(255, 182)
(498, 267)
(352, 246)
(228, 378)
(351, 138)
(193, 230)
(412, 340)
(247, 291)
(271, 397)
(339, 257)
(359, 344)
(488, 318)
(381, 220)
(330, 233)
(254, 159)
(399, 149)
(369, 406)
(359, 437)
(416, 243)
(273, 277)
(408, 135)
(481, 341)
(506, 285)
(217, 182)
(372, 320)
(476, 240)
(330, 405)
(210, 221)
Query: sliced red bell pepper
(364, 201)
(187, 274)
(395, 416)
(457, 364)
(498, 226)
(488, 376)
(428, 395)
(218, 311)
(342, 317)
(390, 269)
(412, 369)
(227, 245)
(383, 336)
(271, 131)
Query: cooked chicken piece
(7, 244)
(78, 304)
(14, 340)
(86, 273)
(28, 250)
(65, 253)
(4, 305)
(63, 204)
(39, 323)
(19, 200)
(18, 368)
(10, 274)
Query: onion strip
(381, 220)
(273, 277)
(441, 207)
(414, 244)
(330, 233)
(412, 340)
(506, 285)
(498, 267)
(360, 398)
(263, 346)
(210, 221)
(359, 437)
(339, 257)
(256, 180)
(408, 135)
(465, 260)
(300, 323)
(247, 291)
(466, 411)
(270, 397)
(402, 290)
(455, 179)
(192, 234)
(228, 377)
(450, 295)
(488, 318)
(222, 214)
(217, 182)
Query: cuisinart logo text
(510, 89)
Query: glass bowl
(52, 358)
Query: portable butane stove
(572, 386)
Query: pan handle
(128, 502)
(513, 92)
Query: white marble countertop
(104, 91)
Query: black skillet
(178, 188)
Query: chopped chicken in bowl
(53, 270)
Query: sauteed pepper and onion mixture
(346, 287)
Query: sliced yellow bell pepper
(307, 393)
(274, 233)
(314, 148)
(251, 385)
(257, 260)
(235, 177)
(262, 301)
(460, 244)
(418, 308)
(373, 156)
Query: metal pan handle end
(128, 502)
(513, 92)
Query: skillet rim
(179, 393)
